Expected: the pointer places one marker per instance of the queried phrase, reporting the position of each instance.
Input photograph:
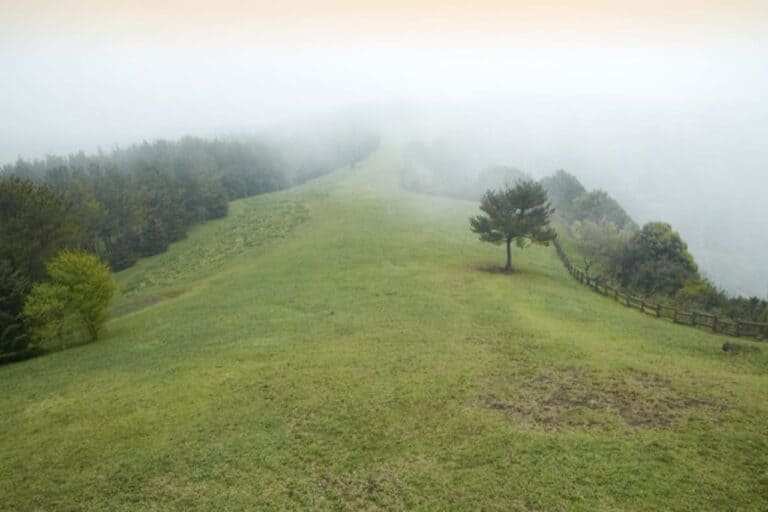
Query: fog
(674, 128)
(700, 164)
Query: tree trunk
(508, 267)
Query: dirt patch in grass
(356, 490)
(140, 303)
(493, 269)
(581, 397)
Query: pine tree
(521, 214)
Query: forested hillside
(134, 202)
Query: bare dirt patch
(140, 303)
(581, 397)
(353, 491)
(493, 269)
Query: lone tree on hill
(521, 214)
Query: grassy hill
(347, 345)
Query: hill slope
(343, 345)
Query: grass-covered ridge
(250, 226)
(354, 352)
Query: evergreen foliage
(36, 222)
(653, 260)
(597, 206)
(563, 190)
(135, 202)
(521, 214)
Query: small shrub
(699, 294)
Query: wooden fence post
(715, 324)
(693, 318)
(738, 328)
(674, 315)
(642, 305)
(658, 310)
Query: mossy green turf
(347, 345)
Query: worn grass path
(344, 346)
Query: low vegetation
(354, 358)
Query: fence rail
(719, 325)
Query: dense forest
(134, 202)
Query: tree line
(650, 260)
(134, 202)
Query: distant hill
(437, 169)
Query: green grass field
(347, 345)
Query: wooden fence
(716, 324)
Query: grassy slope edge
(343, 345)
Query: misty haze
(383, 255)
(674, 134)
